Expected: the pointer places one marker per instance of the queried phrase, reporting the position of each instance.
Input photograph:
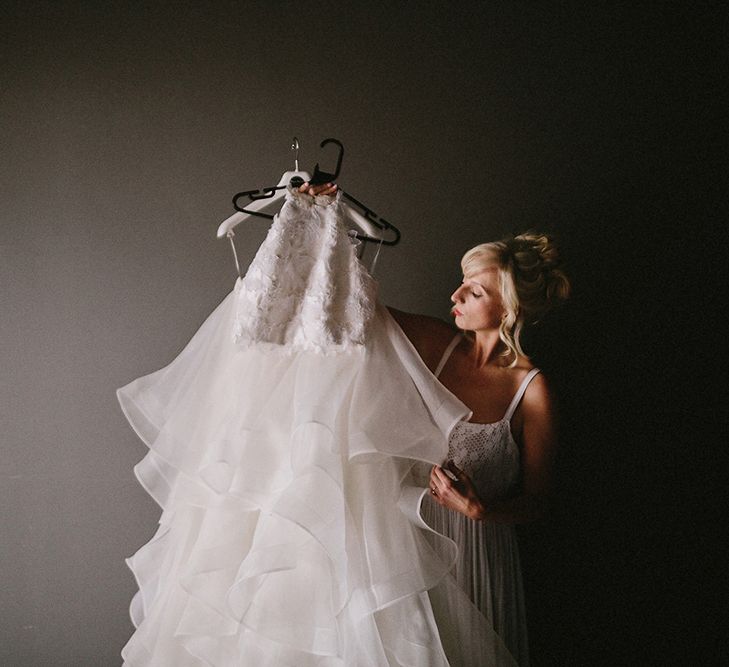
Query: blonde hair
(530, 278)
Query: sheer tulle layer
(279, 476)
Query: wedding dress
(284, 442)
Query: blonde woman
(500, 461)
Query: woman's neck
(487, 349)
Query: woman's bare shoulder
(539, 396)
(535, 420)
(429, 335)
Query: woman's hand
(328, 189)
(459, 494)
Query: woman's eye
(476, 294)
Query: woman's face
(478, 304)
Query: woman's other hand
(457, 494)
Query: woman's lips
(457, 312)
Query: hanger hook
(323, 176)
(339, 157)
(295, 147)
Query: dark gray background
(126, 128)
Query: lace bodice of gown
(305, 289)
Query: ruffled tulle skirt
(289, 532)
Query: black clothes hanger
(376, 220)
(320, 177)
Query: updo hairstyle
(531, 281)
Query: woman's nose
(456, 296)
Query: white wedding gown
(283, 442)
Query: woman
(498, 471)
(499, 467)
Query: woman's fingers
(455, 494)
(326, 189)
(435, 484)
(434, 479)
(445, 477)
(440, 484)
(447, 491)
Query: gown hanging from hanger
(285, 442)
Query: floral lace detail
(305, 289)
(488, 454)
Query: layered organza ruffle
(283, 479)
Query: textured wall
(126, 129)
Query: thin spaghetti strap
(519, 393)
(448, 351)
